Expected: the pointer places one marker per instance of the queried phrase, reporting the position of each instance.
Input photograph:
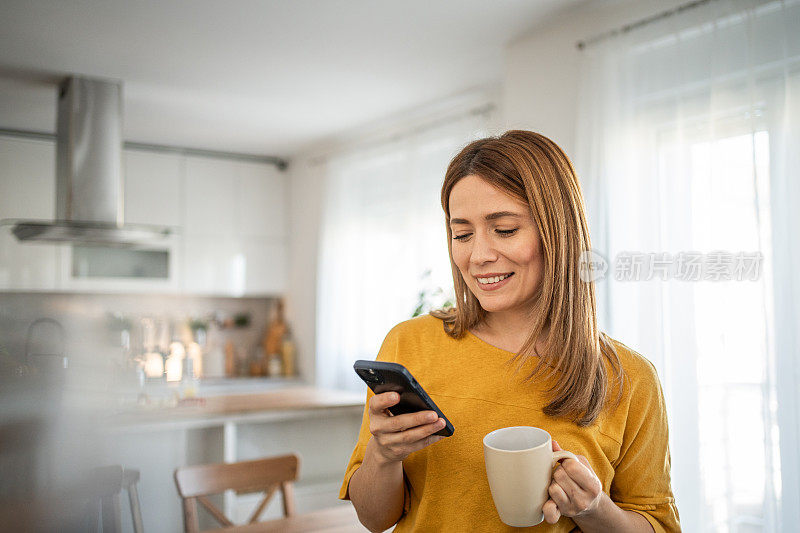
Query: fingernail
(395, 396)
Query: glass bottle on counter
(257, 362)
(275, 365)
(173, 366)
(275, 331)
(189, 381)
(213, 353)
(273, 339)
(230, 359)
(288, 353)
(195, 353)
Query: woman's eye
(502, 232)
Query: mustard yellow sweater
(445, 484)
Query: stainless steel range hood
(89, 179)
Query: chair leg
(136, 512)
(191, 523)
(92, 515)
(288, 498)
(112, 521)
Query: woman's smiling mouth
(493, 281)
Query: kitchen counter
(225, 386)
(319, 425)
(291, 402)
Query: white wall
(305, 212)
(541, 80)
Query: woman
(521, 347)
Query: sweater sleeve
(641, 481)
(357, 457)
(388, 352)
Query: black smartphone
(392, 377)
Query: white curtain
(689, 150)
(382, 231)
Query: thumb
(556, 447)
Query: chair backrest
(196, 482)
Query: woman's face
(494, 236)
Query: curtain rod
(639, 23)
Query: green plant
(431, 297)
(241, 320)
(198, 323)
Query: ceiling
(255, 76)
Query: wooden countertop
(287, 403)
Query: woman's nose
(483, 249)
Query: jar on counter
(275, 365)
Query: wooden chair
(130, 478)
(106, 484)
(91, 504)
(196, 482)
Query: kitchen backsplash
(92, 323)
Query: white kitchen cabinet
(234, 228)
(211, 266)
(264, 269)
(212, 190)
(153, 184)
(230, 217)
(27, 190)
(262, 201)
(244, 267)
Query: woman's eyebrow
(491, 216)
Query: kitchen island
(319, 425)
(288, 402)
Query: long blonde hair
(532, 168)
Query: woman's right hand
(396, 437)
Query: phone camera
(371, 376)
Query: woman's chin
(493, 306)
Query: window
(736, 398)
(688, 142)
(383, 229)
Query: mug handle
(557, 456)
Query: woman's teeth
(487, 281)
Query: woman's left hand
(575, 490)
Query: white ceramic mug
(519, 465)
